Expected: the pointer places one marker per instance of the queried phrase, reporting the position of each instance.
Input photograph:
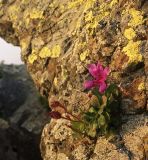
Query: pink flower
(100, 75)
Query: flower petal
(99, 67)
(55, 115)
(103, 74)
(88, 84)
(102, 87)
(93, 70)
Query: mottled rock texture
(59, 38)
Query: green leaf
(112, 89)
(89, 117)
(77, 135)
(93, 110)
(101, 120)
(96, 92)
(107, 116)
(94, 101)
(92, 130)
(78, 126)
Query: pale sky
(9, 54)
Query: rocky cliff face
(22, 116)
(59, 38)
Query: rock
(57, 50)
(60, 38)
(57, 141)
(18, 144)
(22, 115)
(133, 132)
(20, 103)
(104, 150)
(132, 143)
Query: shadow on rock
(18, 144)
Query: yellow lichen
(24, 2)
(141, 87)
(24, 42)
(137, 17)
(129, 33)
(52, 5)
(56, 50)
(132, 51)
(13, 12)
(53, 53)
(88, 4)
(102, 12)
(36, 13)
(32, 14)
(82, 45)
(91, 19)
(113, 2)
(45, 52)
(89, 16)
(55, 81)
(32, 57)
(63, 74)
(23, 45)
(84, 55)
(75, 3)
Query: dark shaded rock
(18, 144)
(20, 102)
(12, 94)
(23, 113)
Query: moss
(129, 33)
(132, 51)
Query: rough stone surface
(134, 132)
(18, 144)
(22, 116)
(129, 144)
(19, 100)
(59, 38)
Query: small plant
(104, 112)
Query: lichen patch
(129, 33)
(132, 51)
(53, 53)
